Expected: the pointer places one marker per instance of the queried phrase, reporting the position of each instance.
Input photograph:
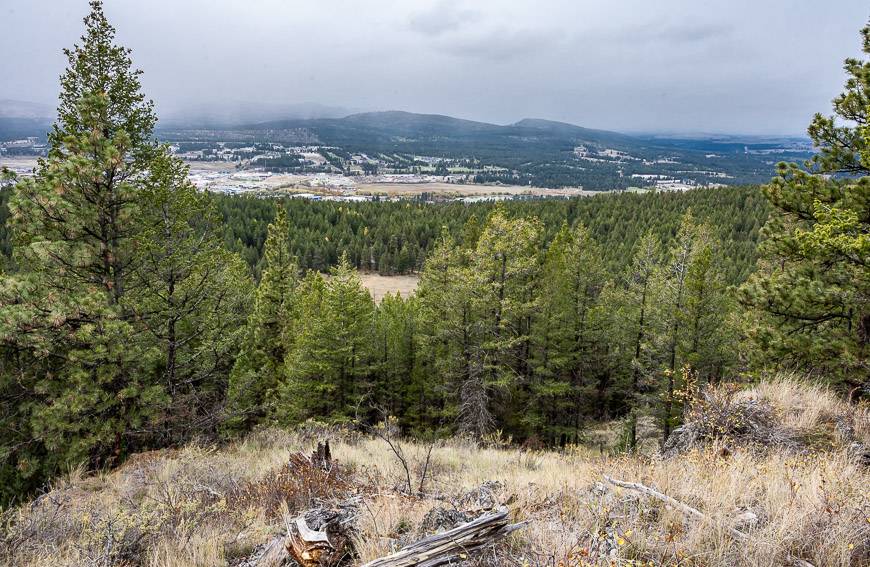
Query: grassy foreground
(213, 506)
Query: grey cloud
(500, 45)
(445, 16)
(681, 33)
(626, 65)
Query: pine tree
(328, 371)
(191, 296)
(269, 334)
(708, 340)
(503, 269)
(569, 340)
(671, 295)
(450, 334)
(68, 312)
(632, 312)
(808, 300)
(398, 389)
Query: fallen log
(453, 544)
(321, 537)
(684, 508)
(689, 511)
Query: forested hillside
(531, 152)
(393, 237)
(139, 313)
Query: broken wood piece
(322, 456)
(326, 546)
(688, 510)
(684, 508)
(451, 545)
(316, 538)
(311, 548)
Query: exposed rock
(440, 519)
(745, 521)
(484, 497)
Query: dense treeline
(127, 324)
(394, 237)
(506, 332)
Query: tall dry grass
(180, 508)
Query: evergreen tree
(192, 298)
(119, 321)
(450, 334)
(632, 316)
(808, 301)
(708, 340)
(269, 334)
(671, 296)
(398, 389)
(571, 363)
(67, 313)
(328, 371)
(503, 270)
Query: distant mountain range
(434, 134)
(21, 119)
(532, 151)
(397, 129)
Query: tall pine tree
(191, 295)
(269, 334)
(809, 300)
(68, 314)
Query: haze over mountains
(531, 151)
(30, 116)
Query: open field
(18, 164)
(379, 285)
(223, 176)
(466, 190)
(209, 505)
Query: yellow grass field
(379, 285)
(467, 190)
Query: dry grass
(806, 407)
(177, 508)
(464, 190)
(379, 285)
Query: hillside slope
(398, 128)
(215, 506)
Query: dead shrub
(782, 415)
(300, 483)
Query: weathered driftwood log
(451, 545)
(688, 510)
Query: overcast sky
(741, 66)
